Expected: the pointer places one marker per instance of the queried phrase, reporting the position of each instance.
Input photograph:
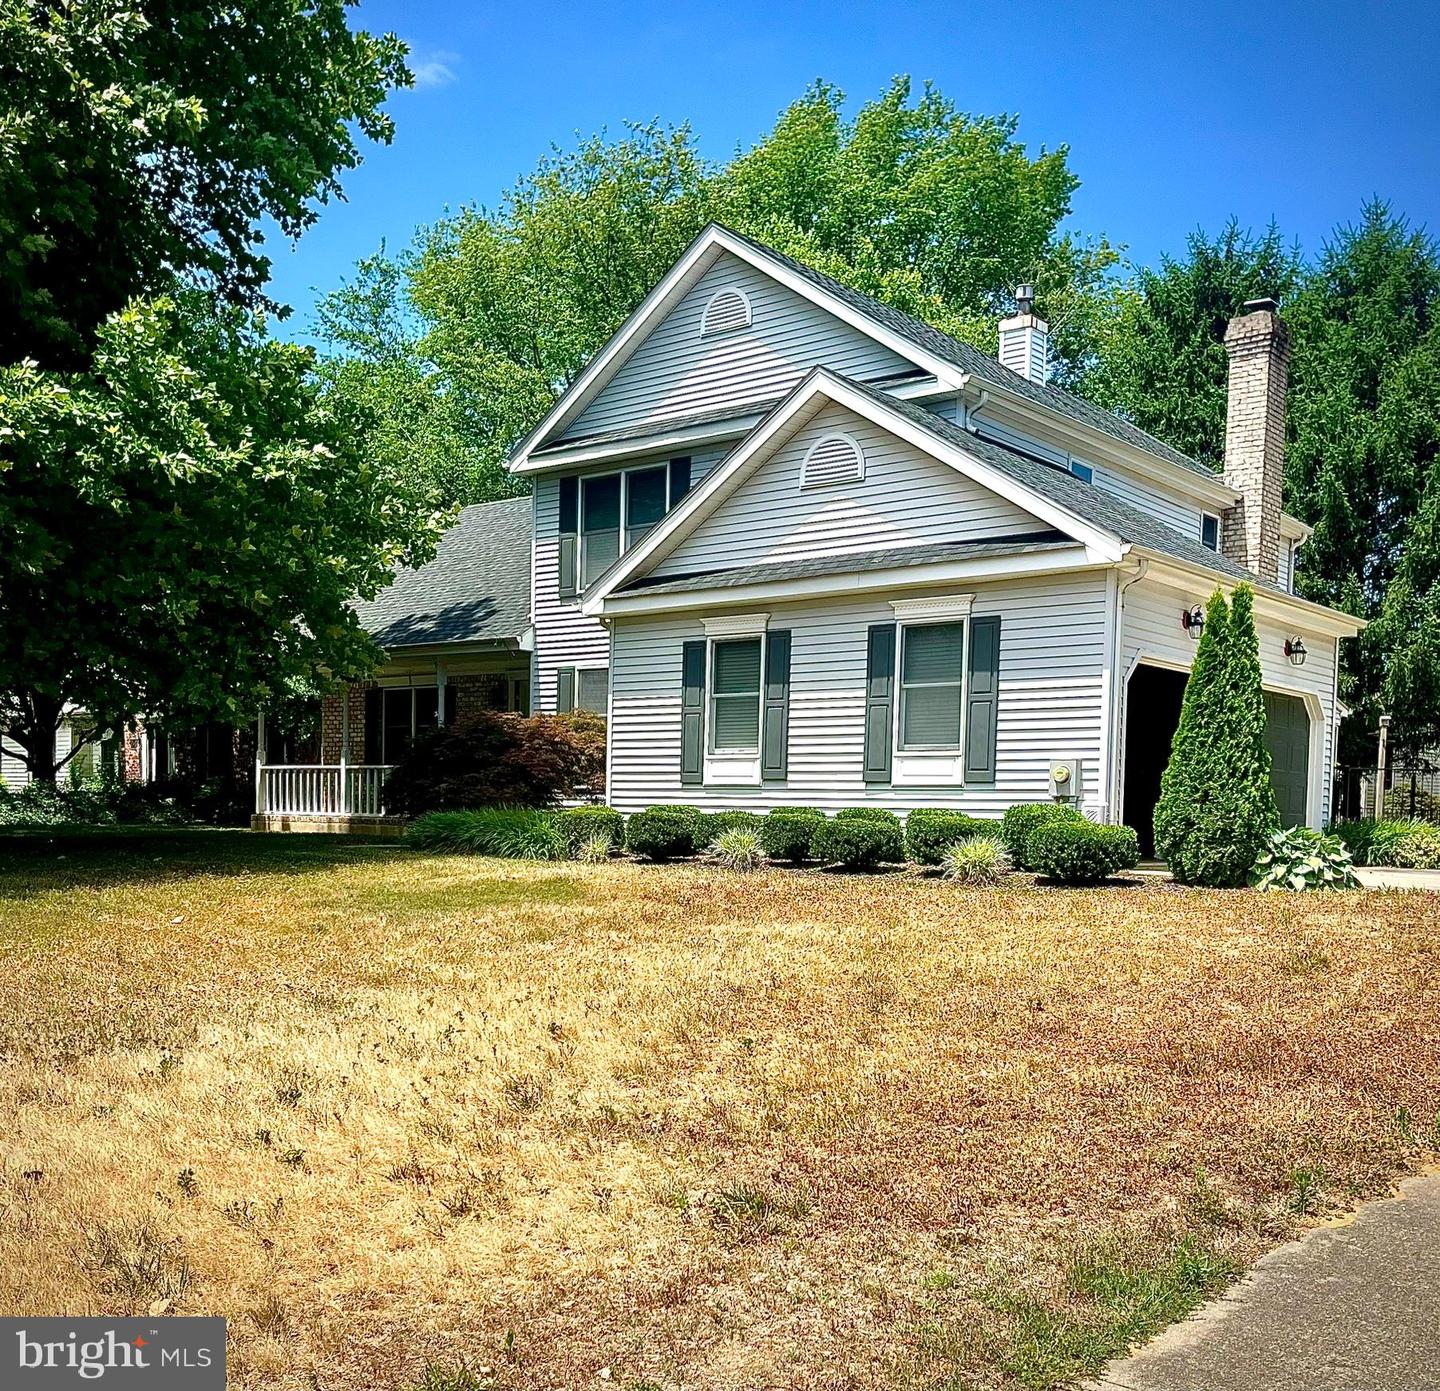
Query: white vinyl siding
(1150, 630)
(676, 371)
(563, 635)
(1051, 699)
(906, 498)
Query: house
(804, 549)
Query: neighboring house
(15, 773)
(805, 549)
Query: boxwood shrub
(1020, 821)
(877, 814)
(714, 824)
(579, 824)
(859, 842)
(788, 833)
(931, 831)
(661, 833)
(1080, 852)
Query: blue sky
(1177, 115)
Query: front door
(1287, 736)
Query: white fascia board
(824, 387)
(857, 582)
(662, 441)
(1303, 614)
(1214, 493)
(1293, 529)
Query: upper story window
(832, 458)
(726, 310)
(1210, 531)
(604, 515)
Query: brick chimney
(1259, 346)
(1025, 338)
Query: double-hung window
(735, 695)
(647, 493)
(932, 685)
(599, 526)
(616, 511)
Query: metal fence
(1412, 789)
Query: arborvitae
(1217, 804)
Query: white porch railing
(321, 789)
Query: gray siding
(906, 498)
(1052, 695)
(563, 635)
(675, 371)
(1150, 629)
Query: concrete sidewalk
(1350, 1307)
(1398, 878)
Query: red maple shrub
(494, 759)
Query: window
(398, 714)
(599, 526)
(1082, 471)
(1210, 531)
(725, 311)
(646, 492)
(592, 689)
(932, 685)
(735, 696)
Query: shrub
(1080, 852)
(931, 831)
(661, 833)
(1400, 844)
(976, 860)
(1020, 822)
(877, 814)
(90, 802)
(579, 824)
(738, 848)
(496, 759)
(512, 833)
(1217, 805)
(789, 833)
(713, 825)
(858, 842)
(1301, 858)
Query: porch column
(441, 677)
(344, 751)
(260, 761)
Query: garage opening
(1152, 714)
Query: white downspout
(1117, 692)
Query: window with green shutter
(599, 527)
(932, 685)
(735, 696)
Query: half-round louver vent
(727, 310)
(832, 459)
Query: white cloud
(437, 70)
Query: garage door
(1287, 736)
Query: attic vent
(832, 459)
(727, 310)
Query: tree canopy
(492, 313)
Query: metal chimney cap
(1262, 306)
(1024, 299)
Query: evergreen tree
(1217, 804)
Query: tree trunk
(35, 733)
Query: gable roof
(476, 589)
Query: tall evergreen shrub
(1217, 805)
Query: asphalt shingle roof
(476, 589)
(972, 360)
(884, 559)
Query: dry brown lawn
(395, 1116)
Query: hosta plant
(1300, 858)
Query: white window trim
(734, 328)
(849, 439)
(624, 476)
(930, 767)
(1219, 530)
(592, 666)
(732, 767)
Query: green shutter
(775, 717)
(692, 712)
(984, 700)
(565, 690)
(569, 537)
(879, 701)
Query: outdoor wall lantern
(1295, 650)
(1193, 621)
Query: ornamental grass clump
(1017, 825)
(713, 825)
(863, 842)
(738, 849)
(510, 833)
(931, 832)
(979, 861)
(1301, 858)
(1217, 806)
(788, 833)
(1394, 843)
